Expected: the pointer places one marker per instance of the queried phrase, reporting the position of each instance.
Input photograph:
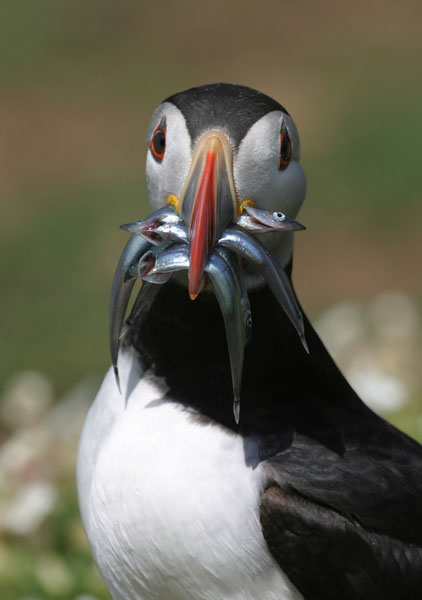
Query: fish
(168, 261)
(121, 291)
(228, 297)
(232, 261)
(257, 220)
(253, 251)
(159, 247)
(166, 215)
(172, 232)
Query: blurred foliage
(53, 564)
(78, 83)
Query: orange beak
(209, 202)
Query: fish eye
(285, 148)
(158, 142)
(279, 216)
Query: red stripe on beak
(203, 224)
(208, 202)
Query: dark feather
(238, 106)
(330, 556)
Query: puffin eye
(158, 142)
(285, 149)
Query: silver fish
(120, 293)
(142, 270)
(168, 261)
(256, 220)
(160, 246)
(252, 250)
(227, 293)
(173, 232)
(157, 278)
(165, 215)
(232, 261)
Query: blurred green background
(79, 81)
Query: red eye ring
(285, 149)
(158, 143)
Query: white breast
(170, 507)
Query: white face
(258, 176)
(257, 171)
(169, 175)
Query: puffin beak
(209, 202)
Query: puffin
(225, 456)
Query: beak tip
(196, 287)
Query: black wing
(342, 513)
(330, 556)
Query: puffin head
(225, 184)
(216, 149)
